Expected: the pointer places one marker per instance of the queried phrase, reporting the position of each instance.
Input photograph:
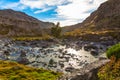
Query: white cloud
(74, 12)
(33, 3)
(15, 6)
(42, 10)
(68, 22)
(42, 3)
(77, 11)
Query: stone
(23, 54)
(69, 69)
(90, 46)
(94, 52)
(23, 61)
(6, 53)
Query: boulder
(23, 54)
(69, 69)
(94, 52)
(23, 61)
(6, 53)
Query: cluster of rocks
(67, 57)
(95, 48)
(48, 55)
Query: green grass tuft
(114, 51)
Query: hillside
(15, 23)
(104, 21)
(107, 16)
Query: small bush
(56, 31)
(114, 51)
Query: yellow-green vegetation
(80, 32)
(15, 71)
(114, 51)
(31, 38)
(85, 33)
(111, 71)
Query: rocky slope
(106, 19)
(14, 23)
(107, 16)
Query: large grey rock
(89, 72)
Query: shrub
(56, 31)
(114, 51)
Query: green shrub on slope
(114, 51)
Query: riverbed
(56, 57)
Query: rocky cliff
(15, 23)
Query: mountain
(15, 23)
(107, 16)
(105, 19)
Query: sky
(67, 12)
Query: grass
(15, 71)
(86, 34)
(31, 38)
